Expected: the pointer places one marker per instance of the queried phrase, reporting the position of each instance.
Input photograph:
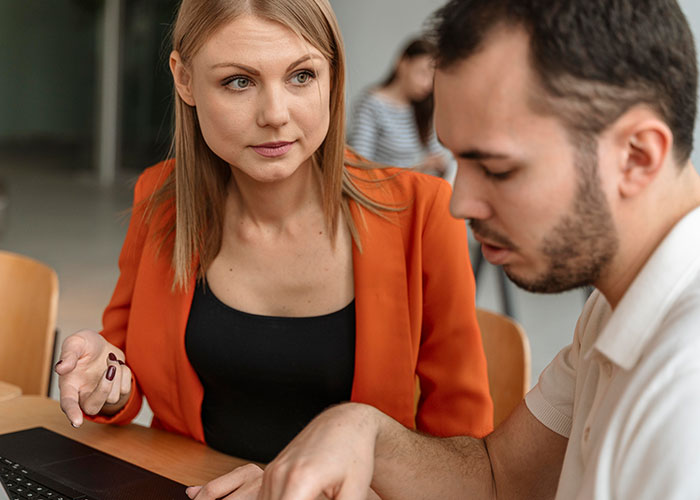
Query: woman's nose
(273, 108)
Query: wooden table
(176, 457)
(9, 391)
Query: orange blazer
(415, 315)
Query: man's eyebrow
(474, 154)
(255, 72)
(477, 154)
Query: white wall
(374, 31)
(692, 11)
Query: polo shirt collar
(653, 292)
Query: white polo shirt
(626, 392)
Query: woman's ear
(646, 143)
(182, 78)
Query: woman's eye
(237, 83)
(303, 77)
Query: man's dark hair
(595, 59)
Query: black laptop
(40, 464)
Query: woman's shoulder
(154, 177)
(400, 185)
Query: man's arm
(520, 459)
(349, 446)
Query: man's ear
(646, 143)
(182, 78)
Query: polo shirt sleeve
(551, 401)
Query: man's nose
(469, 195)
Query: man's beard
(583, 242)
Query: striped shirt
(386, 132)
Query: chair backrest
(508, 358)
(28, 306)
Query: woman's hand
(242, 483)
(92, 376)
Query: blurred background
(86, 106)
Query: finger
(192, 491)
(125, 380)
(281, 481)
(229, 483)
(71, 350)
(353, 490)
(249, 491)
(70, 404)
(301, 483)
(93, 402)
(115, 392)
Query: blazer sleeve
(115, 320)
(451, 367)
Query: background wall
(50, 56)
(45, 48)
(374, 33)
(692, 12)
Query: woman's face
(417, 74)
(261, 94)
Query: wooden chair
(28, 306)
(508, 357)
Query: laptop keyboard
(23, 484)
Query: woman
(393, 122)
(263, 277)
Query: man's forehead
(504, 53)
(493, 86)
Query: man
(572, 123)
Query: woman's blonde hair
(196, 188)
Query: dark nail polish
(112, 357)
(120, 362)
(111, 372)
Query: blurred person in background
(393, 123)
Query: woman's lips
(273, 149)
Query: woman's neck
(272, 206)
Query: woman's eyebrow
(248, 69)
(256, 72)
(303, 59)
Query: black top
(266, 377)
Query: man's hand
(332, 456)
